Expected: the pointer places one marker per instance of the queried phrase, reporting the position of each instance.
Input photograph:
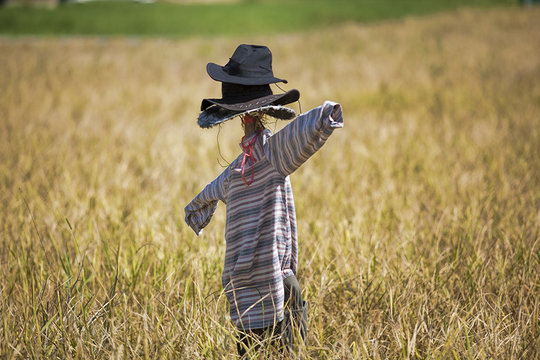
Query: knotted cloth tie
(248, 153)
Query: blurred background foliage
(207, 17)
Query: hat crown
(250, 61)
(242, 93)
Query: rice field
(418, 222)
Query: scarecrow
(261, 257)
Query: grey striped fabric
(260, 232)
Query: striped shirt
(260, 232)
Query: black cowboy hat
(249, 65)
(245, 88)
(248, 97)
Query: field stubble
(418, 222)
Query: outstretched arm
(200, 210)
(295, 143)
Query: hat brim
(216, 115)
(217, 73)
(238, 104)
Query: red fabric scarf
(248, 153)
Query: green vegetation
(246, 17)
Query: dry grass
(419, 222)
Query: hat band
(234, 68)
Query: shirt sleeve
(295, 143)
(200, 210)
